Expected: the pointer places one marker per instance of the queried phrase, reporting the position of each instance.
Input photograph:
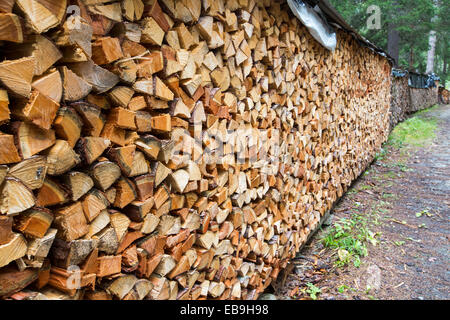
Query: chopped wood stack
(423, 98)
(400, 100)
(161, 149)
(444, 95)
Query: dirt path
(403, 203)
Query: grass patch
(349, 236)
(416, 131)
(312, 290)
(390, 175)
(427, 110)
(381, 155)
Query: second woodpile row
(400, 100)
(423, 98)
(444, 96)
(172, 149)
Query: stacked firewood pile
(172, 149)
(400, 100)
(444, 95)
(423, 98)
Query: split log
(133, 9)
(17, 75)
(43, 16)
(108, 265)
(71, 222)
(92, 117)
(179, 180)
(123, 118)
(42, 49)
(124, 157)
(104, 174)
(67, 125)
(16, 248)
(120, 223)
(50, 84)
(4, 107)
(34, 222)
(122, 286)
(75, 42)
(98, 224)
(9, 153)
(38, 250)
(71, 253)
(108, 241)
(15, 197)
(12, 281)
(11, 28)
(143, 122)
(31, 139)
(111, 11)
(161, 124)
(39, 109)
(93, 203)
(61, 158)
(151, 31)
(106, 50)
(6, 233)
(51, 193)
(126, 192)
(150, 145)
(91, 148)
(121, 96)
(100, 79)
(75, 87)
(144, 186)
(78, 183)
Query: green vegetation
(399, 243)
(342, 288)
(402, 166)
(349, 236)
(412, 22)
(424, 212)
(416, 131)
(424, 111)
(312, 290)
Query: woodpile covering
(112, 182)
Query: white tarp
(319, 29)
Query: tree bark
(411, 59)
(393, 43)
(431, 52)
(393, 48)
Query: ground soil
(411, 259)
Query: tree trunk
(445, 65)
(431, 52)
(393, 48)
(393, 43)
(444, 71)
(411, 59)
